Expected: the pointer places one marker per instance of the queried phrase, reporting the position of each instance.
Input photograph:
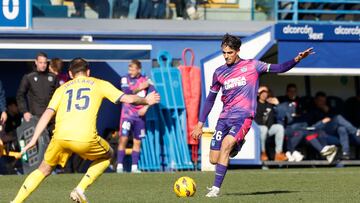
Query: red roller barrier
(191, 81)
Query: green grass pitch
(275, 185)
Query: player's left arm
(281, 68)
(145, 108)
(150, 99)
(114, 95)
(209, 103)
(40, 127)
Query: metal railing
(318, 11)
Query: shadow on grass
(261, 193)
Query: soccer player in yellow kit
(76, 104)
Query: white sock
(119, 166)
(134, 167)
(216, 188)
(80, 190)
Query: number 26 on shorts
(217, 135)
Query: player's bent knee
(226, 146)
(45, 168)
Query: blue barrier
(172, 115)
(150, 147)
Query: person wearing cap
(265, 118)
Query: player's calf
(214, 156)
(227, 145)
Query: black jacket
(35, 92)
(265, 114)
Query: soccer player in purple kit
(132, 118)
(239, 80)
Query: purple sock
(120, 156)
(220, 173)
(135, 157)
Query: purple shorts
(236, 127)
(136, 126)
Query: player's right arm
(40, 127)
(46, 117)
(209, 103)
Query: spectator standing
(36, 89)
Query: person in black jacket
(36, 89)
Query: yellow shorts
(59, 151)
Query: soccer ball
(184, 187)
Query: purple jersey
(129, 84)
(239, 84)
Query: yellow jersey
(77, 103)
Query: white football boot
(77, 196)
(213, 192)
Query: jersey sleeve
(56, 99)
(262, 67)
(216, 85)
(110, 92)
(151, 87)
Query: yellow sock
(29, 185)
(95, 170)
(1, 148)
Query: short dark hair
(78, 65)
(290, 85)
(320, 94)
(231, 41)
(136, 62)
(56, 64)
(43, 54)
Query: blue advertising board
(314, 32)
(15, 14)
